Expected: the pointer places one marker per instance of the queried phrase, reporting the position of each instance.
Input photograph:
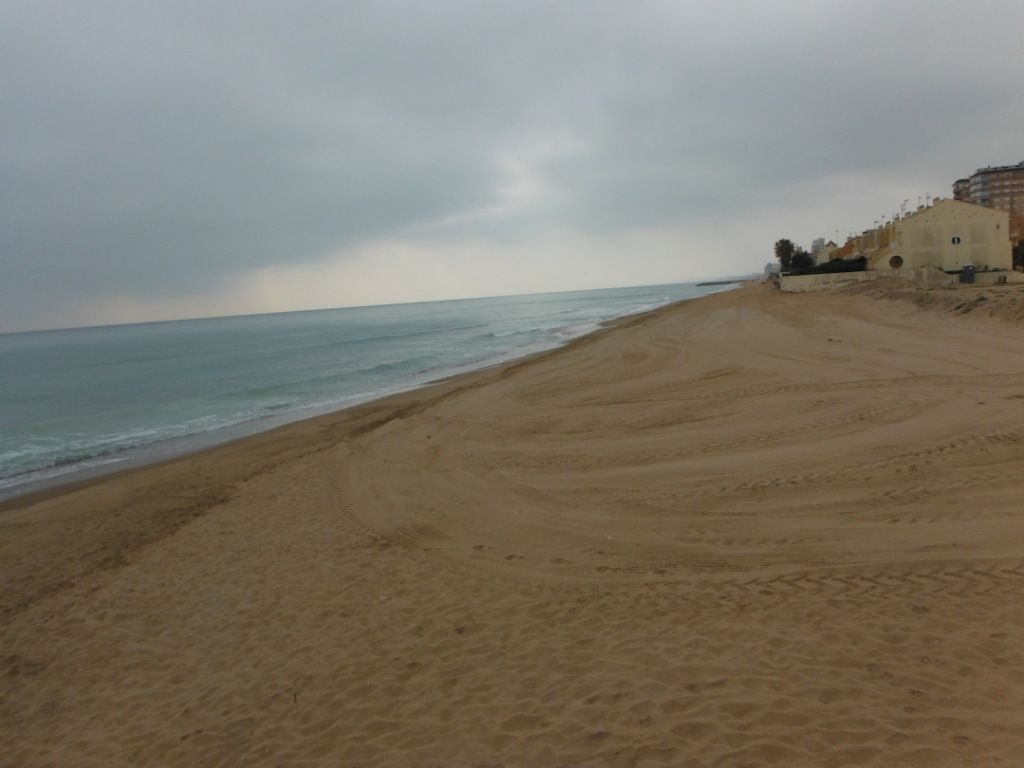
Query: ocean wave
(68, 449)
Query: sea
(80, 402)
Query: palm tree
(784, 249)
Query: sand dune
(751, 529)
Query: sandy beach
(750, 529)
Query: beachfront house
(946, 235)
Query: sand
(751, 529)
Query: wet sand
(750, 529)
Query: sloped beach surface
(750, 529)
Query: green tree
(784, 249)
(801, 259)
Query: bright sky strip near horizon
(178, 159)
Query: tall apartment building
(1000, 187)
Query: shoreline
(154, 454)
(144, 507)
(757, 527)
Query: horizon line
(59, 329)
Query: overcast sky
(174, 158)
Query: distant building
(1000, 187)
(822, 251)
(869, 241)
(947, 235)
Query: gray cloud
(159, 149)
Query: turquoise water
(87, 399)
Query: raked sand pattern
(752, 529)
